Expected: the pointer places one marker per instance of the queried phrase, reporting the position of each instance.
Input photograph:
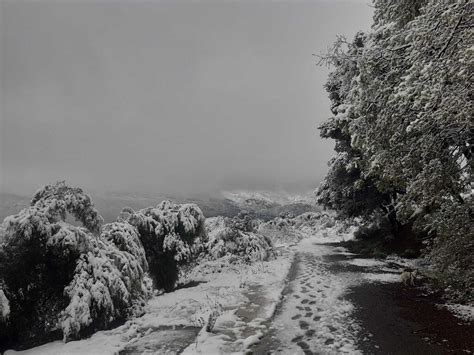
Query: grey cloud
(167, 96)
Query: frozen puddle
(314, 316)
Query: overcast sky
(167, 96)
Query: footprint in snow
(329, 341)
(304, 325)
(303, 345)
(297, 339)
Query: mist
(173, 97)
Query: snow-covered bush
(110, 281)
(125, 237)
(313, 222)
(72, 280)
(59, 199)
(452, 252)
(226, 237)
(293, 229)
(280, 230)
(167, 233)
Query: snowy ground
(295, 304)
(315, 316)
(173, 320)
(463, 312)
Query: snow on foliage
(60, 199)
(4, 307)
(125, 237)
(167, 233)
(280, 230)
(234, 237)
(284, 230)
(110, 280)
(402, 105)
(73, 279)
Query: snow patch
(4, 306)
(366, 262)
(464, 312)
(387, 278)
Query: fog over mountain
(173, 97)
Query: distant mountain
(110, 204)
(267, 205)
(270, 197)
(264, 205)
(12, 204)
(213, 207)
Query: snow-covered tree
(167, 233)
(402, 102)
(62, 278)
(345, 188)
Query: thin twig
(450, 37)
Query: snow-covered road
(314, 315)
